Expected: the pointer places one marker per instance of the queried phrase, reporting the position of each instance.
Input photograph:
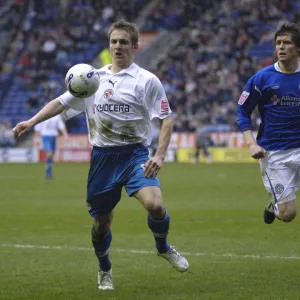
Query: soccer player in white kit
(119, 116)
(48, 131)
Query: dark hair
(292, 29)
(127, 26)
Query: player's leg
(158, 218)
(101, 239)
(49, 165)
(197, 155)
(101, 209)
(207, 154)
(49, 145)
(159, 223)
(287, 211)
(103, 194)
(283, 201)
(281, 183)
(148, 192)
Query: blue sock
(101, 245)
(49, 163)
(160, 229)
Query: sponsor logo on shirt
(275, 99)
(164, 106)
(285, 100)
(111, 108)
(243, 97)
(275, 87)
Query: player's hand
(152, 166)
(21, 128)
(256, 151)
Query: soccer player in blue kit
(119, 118)
(276, 91)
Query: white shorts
(281, 174)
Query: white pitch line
(226, 255)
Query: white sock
(276, 210)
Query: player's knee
(101, 228)
(288, 215)
(102, 224)
(155, 206)
(287, 211)
(151, 199)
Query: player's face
(121, 48)
(286, 49)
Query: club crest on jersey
(275, 99)
(108, 94)
(243, 97)
(279, 188)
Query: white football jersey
(121, 110)
(50, 127)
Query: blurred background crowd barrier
(203, 51)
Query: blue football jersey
(277, 96)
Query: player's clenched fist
(256, 151)
(21, 128)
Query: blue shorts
(49, 143)
(112, 168)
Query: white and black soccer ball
(82, 81)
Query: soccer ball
(82, 81)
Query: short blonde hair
(131, 28)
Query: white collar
(131, 70)
(277, 68)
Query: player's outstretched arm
(153, 165)
(255, 150)
(50, 110)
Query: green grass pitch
(216, 219)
